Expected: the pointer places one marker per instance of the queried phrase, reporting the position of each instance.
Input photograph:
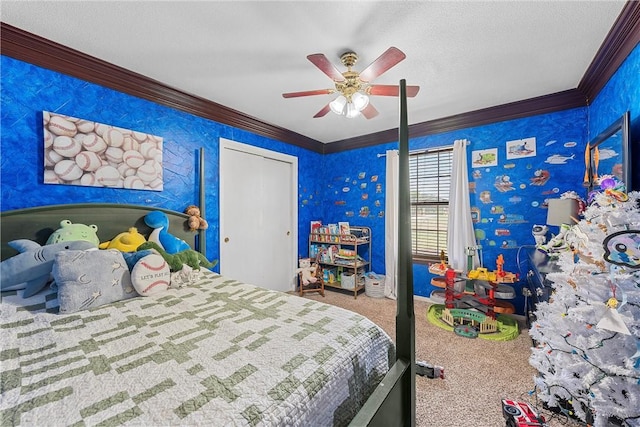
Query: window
(429, 183)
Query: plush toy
(307, 271)
(540, 234)
(196, 222)
(31, 268)
(193, 259)
(160, 234)
(125, 242)
(69, 232)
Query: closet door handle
(226, 240)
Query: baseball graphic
(50, 177)
(84, 126)
(114, 154)
(67, 170)
(107, 176)
(93, 142)
(59, 125)
(88, 161)
(148, 150)
(48, 139)
(147, 173)
(88, 179)
(113, 137)
(133, 182)
(66, 146)
(82, 152)
(151, 275)
(133, 158)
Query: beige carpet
(478, 373)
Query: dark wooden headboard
(38, 223)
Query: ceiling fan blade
(385, 61)
(369, 111)
(391, 90)
(308, 93)
(322, 112)
(321, 61)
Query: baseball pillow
(151, 275)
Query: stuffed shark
(31, 268)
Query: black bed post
(202, 240)
(405, 318)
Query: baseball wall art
(81, 152)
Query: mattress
(216, 353)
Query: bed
(216, 352)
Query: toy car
(521, 414)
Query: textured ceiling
(464, 55)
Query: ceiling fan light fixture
(360, 100)
(352, 111)
(338, 104)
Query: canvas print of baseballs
(81, 152)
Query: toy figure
(308, 271)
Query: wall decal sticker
(557, 159)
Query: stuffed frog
(69, 232)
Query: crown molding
(28, 47)
(620, 41)
(623, 37)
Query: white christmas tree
(588, 334)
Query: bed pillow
(150, 275)
(91, 278)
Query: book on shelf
(316, 226)
(343, 226)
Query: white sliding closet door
(258, 215)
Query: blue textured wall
(560, 143)
(562, 134)
(621, 93)
(27, 90)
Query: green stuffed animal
(193, 259)
(70, 232)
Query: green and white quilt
(218, 353)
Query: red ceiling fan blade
(321, 61)
(322, 112)
(385, 61)
(392, 90)
(369, 111)
(308, 93)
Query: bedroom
(36, 88)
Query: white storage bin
(374, 285)
(348, 281)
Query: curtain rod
(426, 150)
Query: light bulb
(359, 100)
(337, 105)
(352, 111)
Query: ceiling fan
(355, 87)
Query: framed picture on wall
(82, 152)
(521, 148)
(482, 158)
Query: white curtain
(460, 234)
(391, 225)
